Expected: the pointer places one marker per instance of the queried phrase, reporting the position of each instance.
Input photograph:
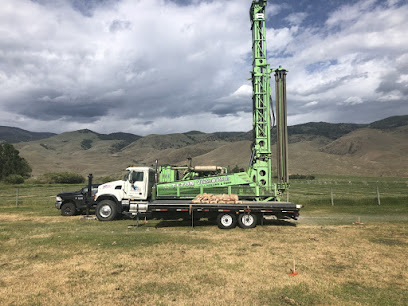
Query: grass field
(49, 259)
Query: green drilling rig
(164, 193)
(256, 183)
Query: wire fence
(26, 195)
(332, 191)
(326, 191)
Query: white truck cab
(136, 185)
(130, 194)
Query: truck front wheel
(247, 220)
(226, 220)
(106, 210)
(68, 209)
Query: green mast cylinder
(281, 125)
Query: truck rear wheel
(106, 210)
(226, 220)
(247, 220)
(68, 209)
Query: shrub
(86, 144)
(62, 178)
(116, 147)
(14, 179)
(301, 177)
(105, 179)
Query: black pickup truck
(72, 203)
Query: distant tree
(116, 147)
(12, 163)
(62, 178)
(86, 144)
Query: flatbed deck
(244, 203)
(184, 208)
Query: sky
(163, 66)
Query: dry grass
(49, 259)
(88, 262)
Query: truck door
(136, 185)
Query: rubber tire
(68, 209)
(222, 225)
(108, 205)
(243, 220)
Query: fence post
(287, 195)
(192, 217)
(331, 196)
(17, 197)
(378, 196)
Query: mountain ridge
(325, 129)
(314, 148)
(14, 135)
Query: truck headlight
(58, 199)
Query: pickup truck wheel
(247, 220)
(226, 220)
(106, 210)
(68, 209)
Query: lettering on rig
(210, 181)
(213, 180)
(185, 184)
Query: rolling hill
(376, 149)
(15, 135)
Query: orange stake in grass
(358, 222)
(293, 271)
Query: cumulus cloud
(296, 18)
(273, 9)
(353, 100)
(171, 66)
(243, 91)
(357, 60)
(312, 103)
(136, 59)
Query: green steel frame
(256, 183)
(260, 165)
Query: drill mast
(260, 164)
(260, 169)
